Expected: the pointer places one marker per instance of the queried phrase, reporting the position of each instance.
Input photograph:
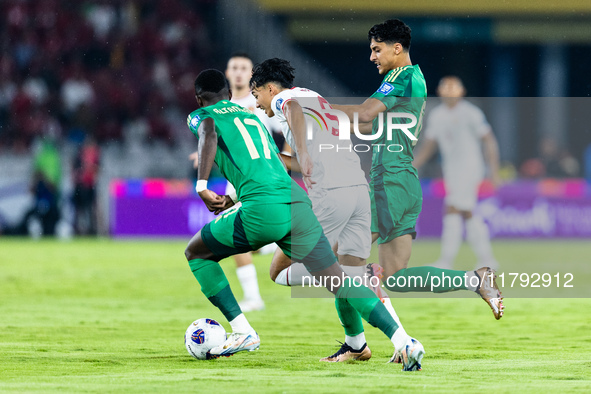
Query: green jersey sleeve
(194, 120)
(395, 85)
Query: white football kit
(340, 196)
(458, 132)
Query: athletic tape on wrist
(201, 185)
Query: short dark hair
(240, 54)
(210, 81)
(391, 31)
(451, 76)
(273, 70)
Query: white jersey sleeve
(278, 103)
(433, 125)
(480, 125)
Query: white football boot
(235, 343)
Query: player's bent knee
(279, 263)
(189, 254)
(196, 249)
(273, 273)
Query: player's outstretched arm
(363, 128)
(424, 152)
(491, 152)
(290, 162)
(297, 124)
(208, 142)
(289, 159)
(367, 111)
(194, 157)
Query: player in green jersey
(274, 209)
(395, 189)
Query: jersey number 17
(252, 150)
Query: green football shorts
(396, 201)
(250, 226)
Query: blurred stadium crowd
(110, 70)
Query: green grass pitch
(104, 315)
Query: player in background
(337, 188)
(395, 188)
(238, 72)
(274, 209)
(460, 130)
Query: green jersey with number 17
(247, 155)
(403, 91)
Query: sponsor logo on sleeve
(195, 121)
(278, 104)
(385, 88)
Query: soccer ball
(202, 336)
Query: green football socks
(354, 303)
(215, 286)
(426, 279)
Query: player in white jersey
(460, 130)
(336, 183)
(344, 214)
(238, 72)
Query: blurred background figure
(554, 161)
(460, 130)
(557, 161)
(85, 173)
(44, 215)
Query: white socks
(356, 342)
(479, 239)
(390, 308)
(399, 339)
(294, 275)
(241, 325)
(358, 273)
(247, 275)
(451, 239)
(281, 278)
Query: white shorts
(345, 216)
(462, 193)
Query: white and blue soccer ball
(202, 336)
